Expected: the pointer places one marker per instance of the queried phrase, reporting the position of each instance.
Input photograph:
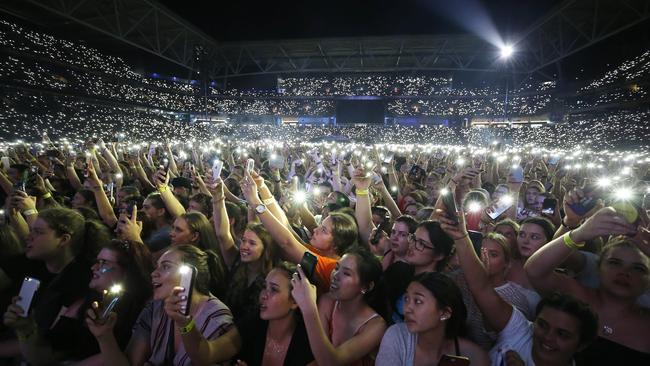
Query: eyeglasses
(420, 244)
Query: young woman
(285, 339)
(193, 228)
(496, 258)
(435, 315)
(563, 325)
(403, 227)
(429, 248)
(624, 275)
(343, 329)
(534, 233)
(332, 238)
(162, 335)
(61, 239)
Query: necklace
(607, 330)
(274, 347)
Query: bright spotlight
(507, 51)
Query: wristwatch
(260, 209)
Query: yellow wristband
(163, 188)
(47, 195)
(30, 212)
(188, 327)
(361, 192)
(570, 243)
(268, 201)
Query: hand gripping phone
(217, 166)
(111, 298)
(548, 207)
(504, 203)
(449, 200)
(587, 202)
(27, 291)
(250, 165)
(188, 276)
(308, 265)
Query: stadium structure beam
(573, 26)
(144, 24)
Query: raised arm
(103, 204)
(292, 249)
(229, 251)
(362, 211)
(496, 311)
(325, 353)
(172, 204)
(540, 267)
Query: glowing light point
(507, 51)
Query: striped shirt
(212, 320)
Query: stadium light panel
(507, 51)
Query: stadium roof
(567, 28)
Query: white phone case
(216, 170)
(27, 291)
(250, 165)
(187, 281)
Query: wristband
(163, 188)
(570, 243)
(47, 195)
(268, 201)
(361, 192)
(188, 327)
(30, 212)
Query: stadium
(458, 85)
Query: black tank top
(605, 352)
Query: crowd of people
(133, 234)
(252, 252)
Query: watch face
(260, 209)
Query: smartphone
(504, 203)
(517, 173)
(308, 265)
(27, 291)
(188, 276)
(89, 161)
(111, 298)
(477, 238)
(374, 240)
(389, 159)
(449, 200)
(217, 165)
(3, 216)
(553, 160)
(548, 207)
(449, 360)
(587, 202)
(164, 165)
(250, 165)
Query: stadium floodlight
(507, 51)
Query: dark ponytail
(217, 271)
(210, 270)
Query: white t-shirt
(516, 336)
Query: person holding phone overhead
(563, 325)
(624, 274)
(163, 334)
(248, 264)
